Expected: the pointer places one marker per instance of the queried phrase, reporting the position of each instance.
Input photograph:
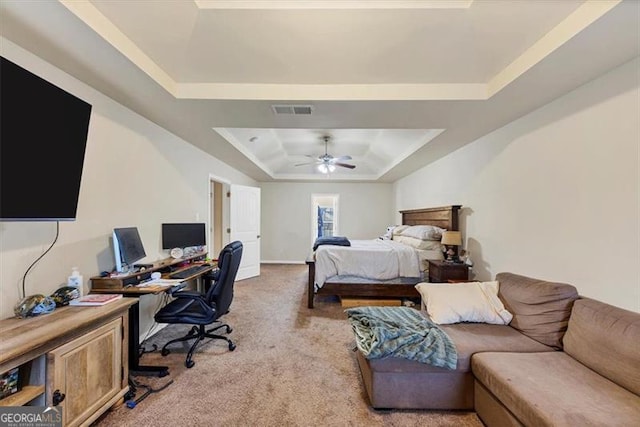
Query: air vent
(292, 109)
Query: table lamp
(450, 239)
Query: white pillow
(478, 302)
(398, 229)
(418, 243)
(424, 232)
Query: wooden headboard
(444, 217)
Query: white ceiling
(395, 84)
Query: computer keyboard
(183, 274)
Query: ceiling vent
(304, 110)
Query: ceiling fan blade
(327, 161)
(345, 165)
(340, 159)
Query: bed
(367, 286)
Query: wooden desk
(125, 285)
(116, 283)
(76, 357)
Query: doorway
(234, 214)
(324, 215)
(218, 216)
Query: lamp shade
(453, 238)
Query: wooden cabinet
(75, 357)
(88, 372)
(443, 272)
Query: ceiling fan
(326, 162)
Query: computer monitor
(183, 235)
(127, 248)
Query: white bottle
(75, 280)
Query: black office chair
(202, 309)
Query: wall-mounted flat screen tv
(43, 136)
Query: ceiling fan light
(325, 168)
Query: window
(324, 215)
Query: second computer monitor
(127, 247)
(183, 235)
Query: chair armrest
(210, 279)
(213, 274)
(176, 288)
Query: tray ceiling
(395, 84)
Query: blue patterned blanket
(401, 332)
(331, 240)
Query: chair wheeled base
(199, 334)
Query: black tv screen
(183, 235)
(43, 136)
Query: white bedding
(375, 259)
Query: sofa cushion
(468, 338)
(606, 339)
(553, 389)
(399, 383)
(540, 309)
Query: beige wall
(553, 195)
(135, 174)
(364, 212)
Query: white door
(245, 226)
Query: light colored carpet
(293, 366)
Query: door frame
(220, 217)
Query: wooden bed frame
(401, 287)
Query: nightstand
(443, 272)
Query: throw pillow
(463, 302)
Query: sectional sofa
(562, 360)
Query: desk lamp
(450, 239)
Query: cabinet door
(88, 371)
